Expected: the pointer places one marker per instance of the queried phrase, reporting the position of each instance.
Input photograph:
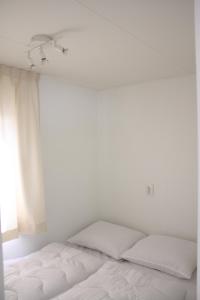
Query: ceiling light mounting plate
(42, 38)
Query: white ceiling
(111, 42)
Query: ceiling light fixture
(39, 43)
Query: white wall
(69, 133)
(197, 38)
(147, 134)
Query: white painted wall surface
(69, 133)
(147, 135)
(197, 39)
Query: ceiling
(111, 42)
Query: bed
(73, 272)
(49, 272)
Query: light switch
(150, 189)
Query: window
(21, 182)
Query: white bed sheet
(189, 285)
(46, 273)
(121, 281)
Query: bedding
(49, 272)
(121, 281)
(175, 256)
(33, 277)
(52, 250)
(108, 238)
(188, 284)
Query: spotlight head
(60, 48)
(43, 58)
(65, 51)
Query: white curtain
(21, 181)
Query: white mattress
(52, 271)
(49, 272)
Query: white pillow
(170, 255)
(108, 238)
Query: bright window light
(8, 178)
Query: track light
(39, 43)
(60, 48)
